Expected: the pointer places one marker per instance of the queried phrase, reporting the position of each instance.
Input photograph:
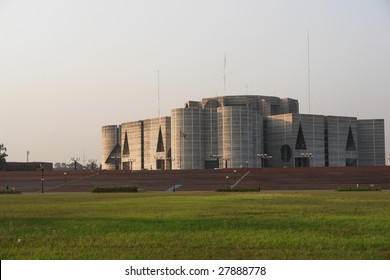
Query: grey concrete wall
(289, 105)
(279, 133)
(283, 130)
(232, 127)
(210, 133)
(151, 135)
(265, 105)
(188, 150)
(111, 135)
(313, 131)
(134, 131)
(371, 135)
(338, 129)
(240, 136)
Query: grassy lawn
(289, 225)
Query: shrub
(236, 190)
(10, 192)
(359, 189)
(113, 189)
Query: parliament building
(251, 131)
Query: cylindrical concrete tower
(186, 137)
(240, 137)
(111, 149)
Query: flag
(183, 135)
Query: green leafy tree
(3, 155)
(67, 166)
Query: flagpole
(158, 92)
(224, 74)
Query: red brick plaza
(323, 178)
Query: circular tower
(111, 149)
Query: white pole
(308, 65)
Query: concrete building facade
(132, 142)
(371, 142)
(157, 143)
(299, 140)
(111, 147)
(240, 136)
(144, 144)
(243, 131)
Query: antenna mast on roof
(158, 92)
(308, 65)
(224, 74)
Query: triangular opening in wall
(126, 151)
(160, 143)
(350, 142)
(114, 155)
(300, 143)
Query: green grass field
(288, 225)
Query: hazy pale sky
(68, 67)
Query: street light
(235, 175)
(217, 157)
(264, 159)
(75, 160)
(92, 162)
(65, 176)
(116, 160)
(226, 159)
(307, 156)
(227, 181)
(42, 179)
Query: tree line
(3, 155)
(91, 165)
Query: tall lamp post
(116, 161)
(217, 157)
(226, 159)
(42, 179)
(75, 160)
(264, 159)
(227, 181)
(308, 156)
(92, 162)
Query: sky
(68, 67)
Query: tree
(3, 155)
(68, 166)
